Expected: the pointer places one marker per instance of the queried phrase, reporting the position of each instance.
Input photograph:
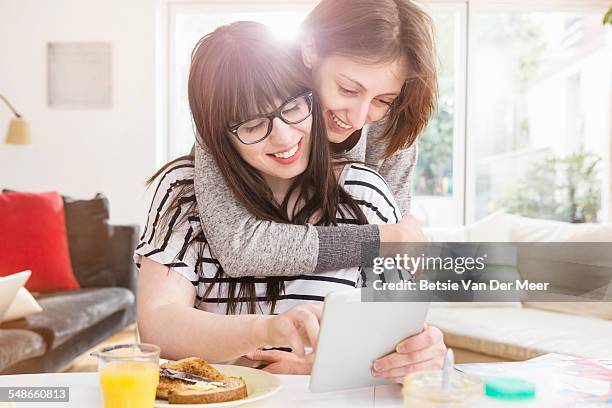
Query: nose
(358, 116)
(282, 134)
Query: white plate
(260, 385)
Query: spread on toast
(221, 388)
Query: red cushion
(33, 236)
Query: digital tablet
(353, 334)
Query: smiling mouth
(339, 122)
(288, 156)
(287, 153)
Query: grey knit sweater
(247, 246)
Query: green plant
(608, 17)
(433, 175)
(562, 188)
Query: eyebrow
(364, 88)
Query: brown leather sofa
(72, 322)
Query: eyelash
(385, 102)
(346, 91)
(349, 92)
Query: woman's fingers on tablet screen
(316, 309)
(296, 341)
(307, 323)
(283, 362)
(297, 328)
(270, 356)
(282, 332)
(261, 355)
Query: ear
(309, 51)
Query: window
(539, 103)
(524, 115)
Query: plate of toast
(216, 385)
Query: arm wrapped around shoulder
(243, 244)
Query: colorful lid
(509, 389)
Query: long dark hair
(381, 31)
(237, 72)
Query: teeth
(288, 153)
(340, 123)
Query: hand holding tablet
(423, 351)
(355, 334)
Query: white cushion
(522, 229)
(492, 228)
(522, 333)
(459, 305)
(502, 227)
(601, 310)
(23, 305)
(573, 328)
(446, 234)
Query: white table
(85, 392)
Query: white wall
(81, 152)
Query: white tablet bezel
(353, 334)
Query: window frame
(459, 115)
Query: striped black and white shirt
(165, 240)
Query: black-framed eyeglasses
(293, 111)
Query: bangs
(258, 78)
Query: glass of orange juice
(129, 374)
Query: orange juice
(129, 384)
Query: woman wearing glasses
(251, 103)
(373, 66)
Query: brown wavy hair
(239, 71)
(379, 31)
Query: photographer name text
(467, 285)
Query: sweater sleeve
(247, 246)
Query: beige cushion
(502, 227)
(492, 228)
(523, 229)
(23, 305)
(601, 310)
(574, 305)
(475, 304)
(446, 234)
(522, 333)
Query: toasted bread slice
(168, 384)
(191, 394)
(195, 366)
(183, 392)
